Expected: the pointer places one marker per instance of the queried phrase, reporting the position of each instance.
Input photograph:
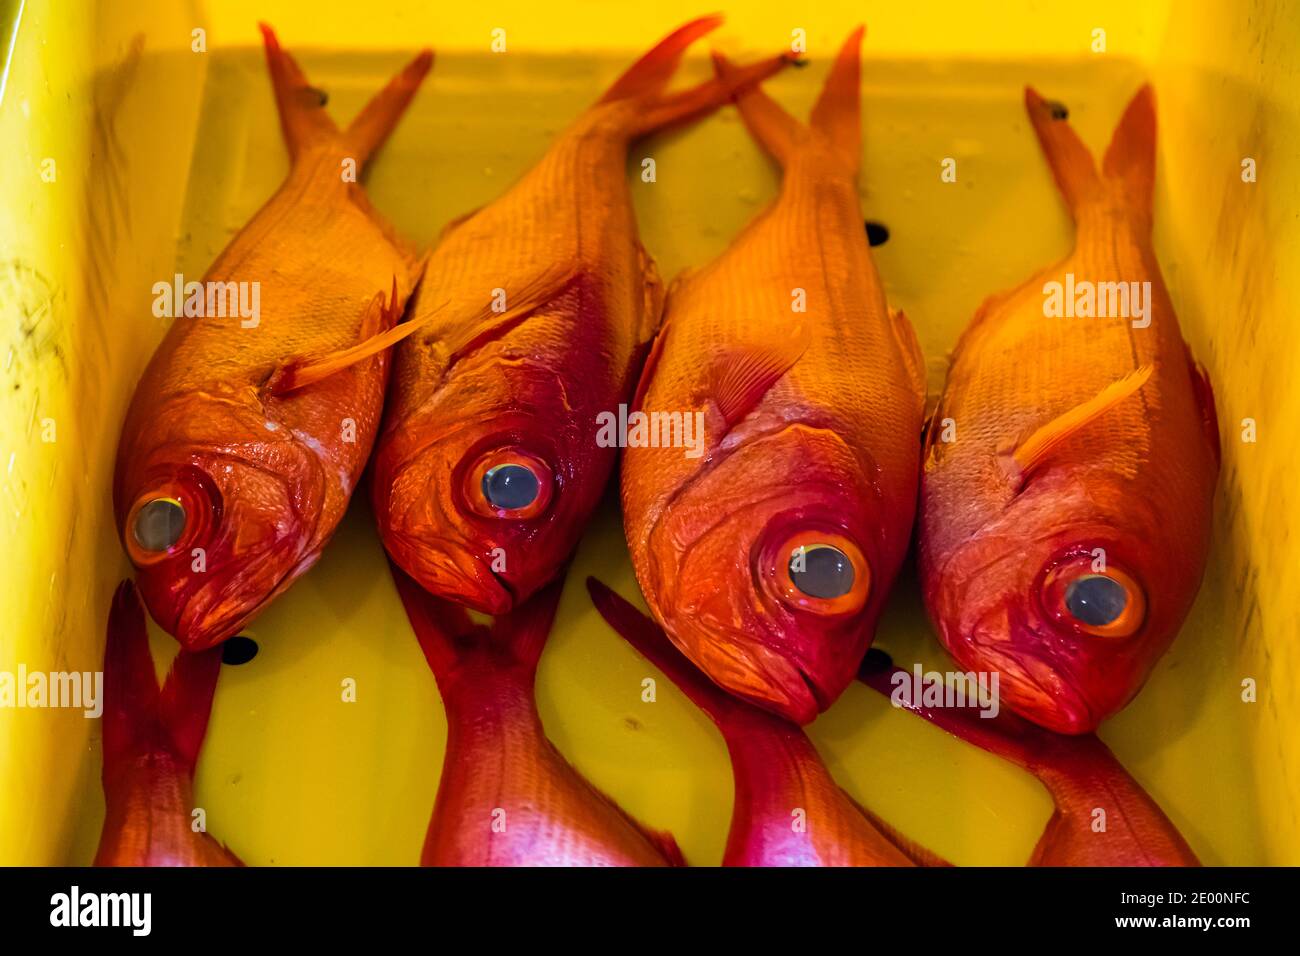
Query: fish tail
(836, 117)
(644, 82)
(767, 121)
(137, 716)
(302, 106)
(448, 636)
(1130, 159)
(652, 644)
(1071, 163)
(377, 120)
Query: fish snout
(450, 571)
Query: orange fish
(768, 555)
(247, 432)
(780, 780)
(151, 743)
(1080, 773)
(507, 797)
(529, 326)
(1071, 463)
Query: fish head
(216, 532)
(768, 569)
(1069, 597)
(484, 511)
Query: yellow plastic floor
(291, 774)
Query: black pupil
(821, 571)
(158, 525)
(1096, 600)
(510, 487)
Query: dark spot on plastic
(877, 233)
(797, 62)
(238, 650)
(320, 94)
(1058, 109)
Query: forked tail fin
(139, 718)
(1129, 164)
(836, 118)
(302, 106)
(645, 81)
(448, 635)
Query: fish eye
(1100, 603)
(1095, 600)
(508, 483)
(175, 512)
(510, 487)
(159, 524)
(821, 571)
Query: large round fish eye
(508, 483)
(159, 524)
(822, 571)
(816, 570)
(510, 486)
(1099, 603)
(1095, 599)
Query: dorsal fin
(742, 376)
(1035, 449)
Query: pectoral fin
(742, 376)
(1039, 446)
(377, 322)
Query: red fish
(1064, 532)
(1081, 774)
(507, 797)
(151, 743)
(529, 327)
(788, 810)
(768, 557)
(246, 435)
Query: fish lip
(1066, 710)
(754, 673)
(481, 590)
(200, 624)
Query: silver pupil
(159, 524)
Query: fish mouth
(1036, 688)
(450, 571)
(755, 673)
(210, 616)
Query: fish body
(234, 467)
(507, 796)
(811, 394)
(151, 742)
(531, 321)
(1064, 532)
(788, 810)
(1081, 775)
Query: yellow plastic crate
(159, 153)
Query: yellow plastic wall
(158, 162)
